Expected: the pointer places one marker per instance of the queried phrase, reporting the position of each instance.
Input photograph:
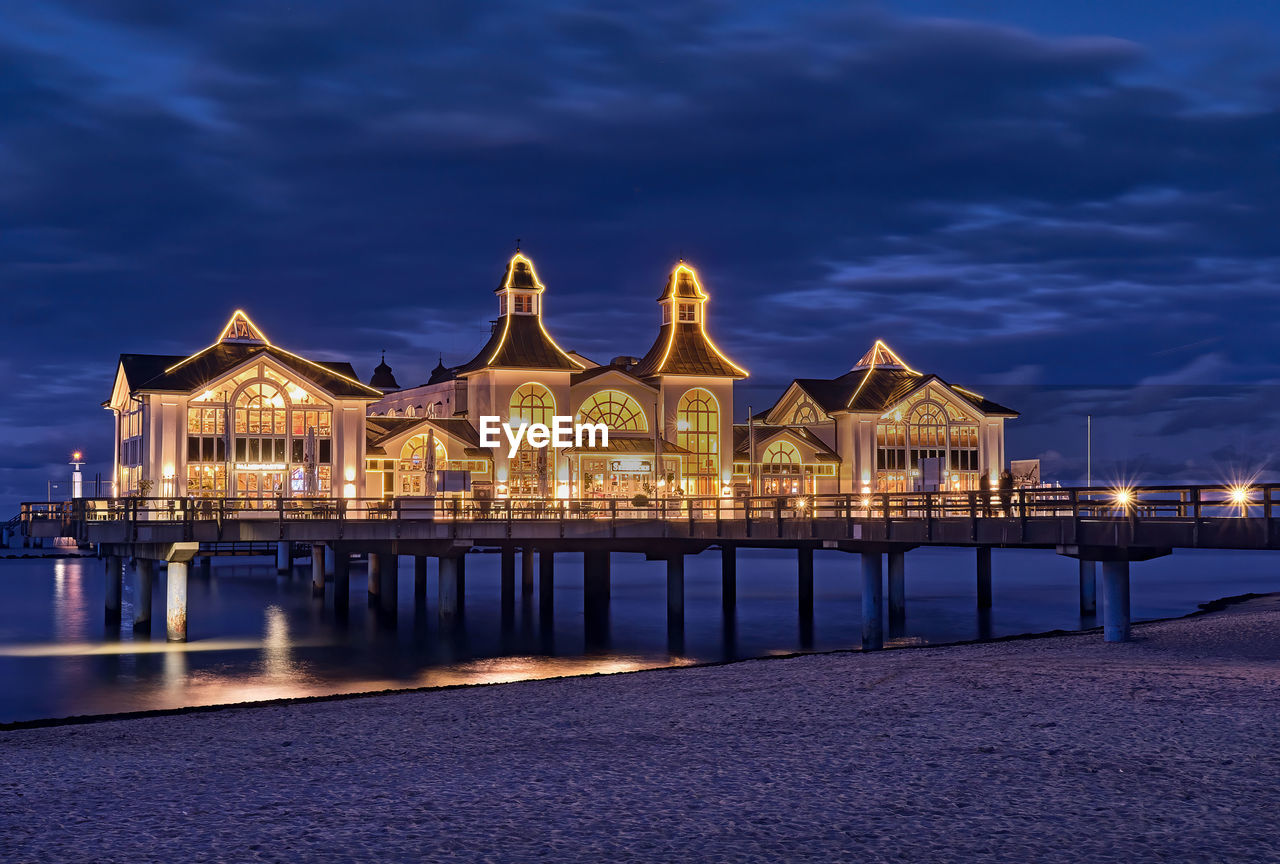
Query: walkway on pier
(1110, 528)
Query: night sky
(1072, 210)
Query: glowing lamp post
(77, 487)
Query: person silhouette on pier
(1006, 493)
(984, 492)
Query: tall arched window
(413, 464)
(698, 431)
(927, 426)
(614, 409)
(529, 472)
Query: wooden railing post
(613, 517)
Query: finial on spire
(517, 244)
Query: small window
(524, 304)
(502, 305)
(687, 312)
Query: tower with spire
(383, 378)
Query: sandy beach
(1052, 749)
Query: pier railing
(1145, 503)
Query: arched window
(413, 464)
(614, 409)
(529, 472)
(805, 413)
(532, 403)
(260, 410)
(698, 431)
(927, 428)
(784, 455)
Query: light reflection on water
(256, 636)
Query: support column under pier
(675, 603)
(389, 566)
(984, 577)
(175, 613)
(450, 588)
(375, 574)
(419, 577)
(143, 579)
(872, 601)
(1088, 587)
(508, 568)
(526, 570)
(804, 570)
(115, 580)
(729, 576)
(897, 586)
(317, 569)
(1115, 601)
(341, 580)
(595, 600)
(546, 588)
(284, 556)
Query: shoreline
(1205, 608)
(1052, 750)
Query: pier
(1110, 527)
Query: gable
(933, 390)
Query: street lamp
(77, 487)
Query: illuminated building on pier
(246, 419)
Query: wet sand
(1054, 749)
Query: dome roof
(382, 377)
(521, 275)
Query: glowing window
(614, 409)
(698, 431)
(782, 457)
(532, 403)
(260, 410)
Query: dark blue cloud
(1014, 199)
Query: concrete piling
(1115, 601)
(729, 576)
(175, 616)
(449, 587)
(375, 574)
(508, 579)
(804, 569)
(675, 589)
(143, 579)
(526, 570)
(984, 577)
(896, 585)
(284, 556)
(317, 569)
(389, 596)
(420, 576)
(872, 601)
(341, 579)
(115, 579)
(1088, 587)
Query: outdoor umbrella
(431, 463)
